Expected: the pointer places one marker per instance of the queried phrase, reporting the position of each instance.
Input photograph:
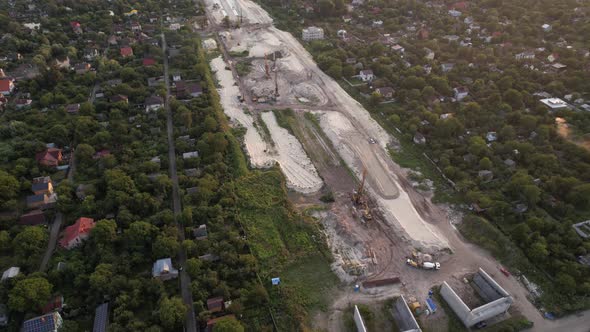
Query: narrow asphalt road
(185, 281)
(56, 225)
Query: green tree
(228, 325)
(165, 246)
(105, 232)
(9, 186)
(30, 242)
(101, 279)
(172, 311)
(29, 294)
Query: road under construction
(378, 218)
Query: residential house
(367, 75)
(73, 108)
(6, 86)
(385, 92)
(23, 103)
(55, 304)
(460, 93)
(209, 44)
(454, 13)
(147, 62)
(75, 234)
(528, 55)
(377, 24)
(419, 139)
(491, 136)
(398, 48)
(51, 322)
(552, 57)
(215, 304)
(37, 201)
(32, 218)
(101, 318)
(192, 190)
(546, 27)
(351, 61)
(194, 90)
(188, 155)
(42, 185)
(113, 40)
(175, 26)
(82, 68)
(554, 103)
(135, 26)
(164, 270)
(341, 34)
(429, 54)
(10, 273)
(312, 33)
(91, 53)
(155, 81)
(358, 2)
(153, 103)
(126, 51)
(447, 67)
(192, 172)
(76, 27)
(200, 233)
(50, 157)
(119, 99)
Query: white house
(525, 56)
(188, 155)
(554, 103)
(341, 34)
(312, 33)
(164, 270)
(377, 24)
(546, 27)
(454, 13)
(460, 93)
(367, 75)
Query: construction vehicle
(423, 265)
(416, 308)
(360, 200)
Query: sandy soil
(256, 148)
(251, 12)
(301, 174)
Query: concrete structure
(403, 316)
(312, 33)
(358, 320)
(498, 301)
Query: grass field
(287, 245)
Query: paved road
(56, 225)
(185, 281)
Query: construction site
(385, 236)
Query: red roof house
(55, 304)
(148, 62)
(126, 51)
(459, 5)
(76, 233)
(51, 157)
(6, 86)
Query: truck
(424, 265)
(430, 266)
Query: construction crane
(266, 67)
(358, 194)
(360, 200)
